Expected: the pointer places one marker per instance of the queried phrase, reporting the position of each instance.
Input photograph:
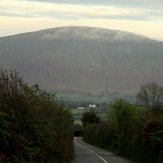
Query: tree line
(34, 127)
(132, 130)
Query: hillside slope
(84, 59)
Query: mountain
(84, 59)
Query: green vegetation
(78, 130)
(90, 117)
(34, 127)
(151, 96)
(77, 115)
(132, 131)
(74, 99)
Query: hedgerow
(130, 131)
(34, 127)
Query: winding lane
(85, 153)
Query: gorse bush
(34, 127)
(131, 131)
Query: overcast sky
(139, 16)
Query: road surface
(85, 153)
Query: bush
(89, 117)
(33, 126)
(131, 131)
(78, 130)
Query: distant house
(92, 105)
(81, 108)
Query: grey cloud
(72, 16)
(132, 3)
(7, 12)
(129, 17)
(143, 14)
(155, 13)
(117, 17)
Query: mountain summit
(89, 33)
(84, 59)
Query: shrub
(33, 126)
(131, 131)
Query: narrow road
(85, 153)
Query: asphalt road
(85, 153)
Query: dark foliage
(89, 117)
(130, 131)
(151, 96)
(78, 130)
(33, 126)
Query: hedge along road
(85, 153)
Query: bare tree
(151, 96)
